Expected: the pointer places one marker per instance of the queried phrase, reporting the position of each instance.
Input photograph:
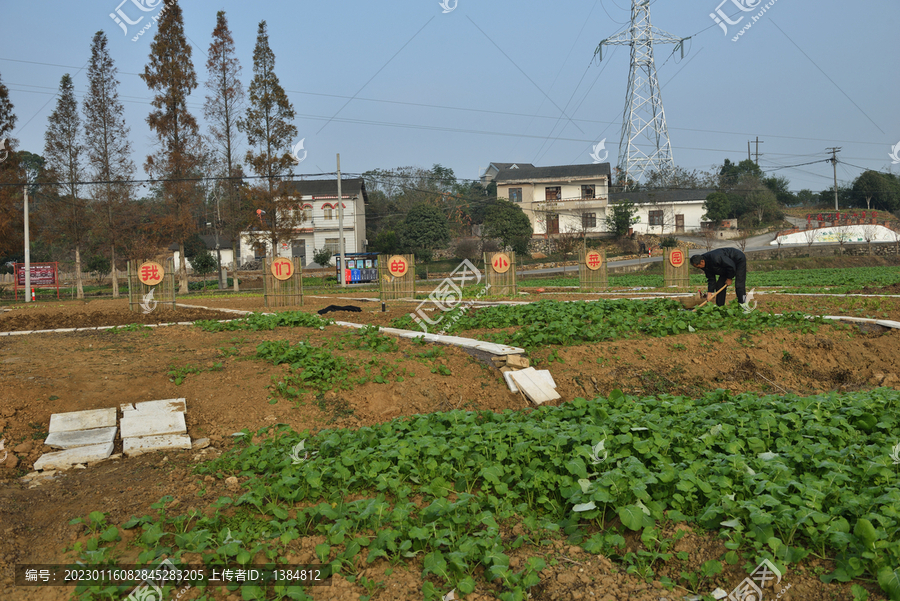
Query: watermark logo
(123, 20)
(751, 588)
(295, 152)
(595, 154)
(5, 148)
(300, 447)
(5, 453)
(448, 296)
(723, 20)
(149, 304)
(446, 5)
(894, 154)
(894, 455)
(230, 539)
(151, 590)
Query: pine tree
(62, 151)
(108, 147)
(268, 124)
(226, 95)
(170, 74)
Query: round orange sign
(501, 263)
(282, 269)
(593, 260)
(397, 266)
(676, 258)
(151, 273)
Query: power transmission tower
(644, 145)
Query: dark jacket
(723, 262)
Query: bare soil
(41, 374)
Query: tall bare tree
(62, 151)
(224, 101)
(108, 148)
(170, 74)
(268, 124)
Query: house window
(553, 193)
(588, 220)
(656, 218)
(515, 194)
(332, 245)
(306, 215)
(588, 191)
(259, 251)
(329, 214)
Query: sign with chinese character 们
(397, 266)
(676, 258)
(151, 273)
(282, 269)
(501, 263)
(593, 260)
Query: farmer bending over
(722, 266)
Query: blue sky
(404, 83)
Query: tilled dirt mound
(28, 320)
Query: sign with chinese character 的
(676, 258)
(501, 263)
(593, 260)
(397, 266)
(282, 269)
(151, 273)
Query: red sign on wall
(42, 274)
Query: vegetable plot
(781, 478)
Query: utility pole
(834, 162)
(341, 226)
(749, 158)
(757, 150)
(27, 253)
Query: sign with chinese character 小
(282, 269)
(501, 263)
(593, 260)
(397, 266)
(151, 273)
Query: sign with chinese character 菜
(151, 273)
(501, 263)
(593, 260)
(676, 258)
(282, 269)
(397, 266)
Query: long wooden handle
(714, 296)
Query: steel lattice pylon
(644, 145)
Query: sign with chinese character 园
(501, 263)
(676, 258)
(593, 260)
(397, 266)
(151, 273)
(282, 269)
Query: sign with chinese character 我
(151, 273)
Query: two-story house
(317, 204)
(565, 198)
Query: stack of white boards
(537, 385)
(84, 436)
(154, 426)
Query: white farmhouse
(666, 211)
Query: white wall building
(565, 198)
(666, 211)
(834, 235)
(317, 199)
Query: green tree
(717, 206)
(108, 150)
(779, 186)
(387, 242)
(170, 74)
(99, 266)
(425, 229)
(877, 190)
(507, 221)
(203, 263)
(268, 124)
(63, 152)
(322, 256)
(621, 217)
(731, 174)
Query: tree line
(83, 185)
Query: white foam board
(82, 420)
(541, 373)
(534, 386)
(68, 458)
(172, 405)
(138, 424)
(138, 446)
(81, 438)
